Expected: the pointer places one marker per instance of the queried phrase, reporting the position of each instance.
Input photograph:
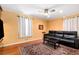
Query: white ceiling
(38, 9)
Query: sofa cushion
(69, 36)
(66, 40)
(59, 35)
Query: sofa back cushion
(59, 35)
(69, 36)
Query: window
(71, 24)
(25, 27)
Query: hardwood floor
(9, 51)
(14, 49)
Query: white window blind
(71, 24)
(25, 27)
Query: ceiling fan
(47, 12)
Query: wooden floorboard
(14, 49)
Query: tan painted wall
(37, 34)
(10, 27)
(10, 20)
(55, 24)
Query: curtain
(78, 25)
(25, 27)
(71, 24)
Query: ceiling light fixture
(61, 11)
(47, 15)
(47, 12)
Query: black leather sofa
(68, 38)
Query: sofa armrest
(45, 35)
(76, 41)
